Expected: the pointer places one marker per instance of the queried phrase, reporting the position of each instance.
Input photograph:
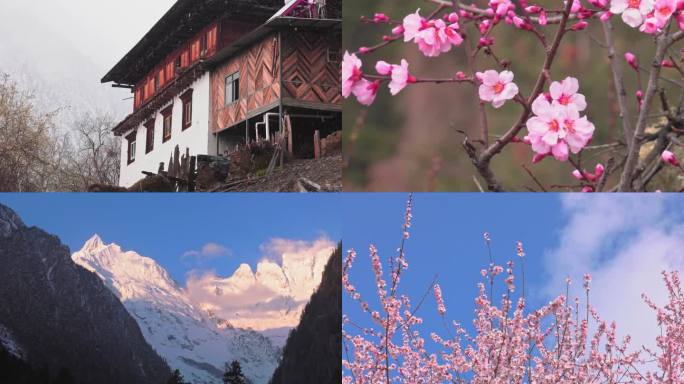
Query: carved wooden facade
(311, 69)
(259, 84)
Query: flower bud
(537, 158)
(667, 63)
(669, 158)
(381, 18)
(579, 26)
(383, 68)
(598, 171)
(632, 60)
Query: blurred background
(410, 141)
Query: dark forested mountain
(61, 319)
(313, 353)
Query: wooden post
(317, 144)
(288, 132)
(191, 174)
(176, 161)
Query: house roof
(183, 21)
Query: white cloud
(624, 242)
(209, 251)
(273, 294)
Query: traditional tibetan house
(212, 75)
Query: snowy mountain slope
(180, 332)
(272, 297)
(9, 344)
(55, 70)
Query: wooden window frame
(167, 114)
(149, 141)
(234, 79)
(333, 56)
(203, 45)
(131, 139)
(186, 118)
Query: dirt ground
(326, 173)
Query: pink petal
(486, 93)
(632, 17)
(560, 151)
(490, 77)
(506, 76)
(618, 6)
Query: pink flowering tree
(553, 120)
(564, 341)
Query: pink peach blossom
(501, 7)
(440, 301)
(351, 72)
(557, 129)
(433, 37)
(663, 9)
(497, 87)
(651, 25)
(400, 77)
(365, 91)
(633, 12)
(564, 341)
(412, 24)
(566, 92)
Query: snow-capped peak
(273, 297)
(244, 272)
(180, 331)
(128, 274)
(94, 243)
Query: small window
(149, 138)
(167, 114)
(333, 56)
(186, 98)
(157, 82)
(131, 147)
(232, 88)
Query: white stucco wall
(197, 137)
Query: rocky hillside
(62, 318)
(313, 353)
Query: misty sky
(103, 30)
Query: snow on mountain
(9, 344)
(274, 296)
(188, 338)
(52, 67)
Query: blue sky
(624, 241)
(447, 240)
(164, 227)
